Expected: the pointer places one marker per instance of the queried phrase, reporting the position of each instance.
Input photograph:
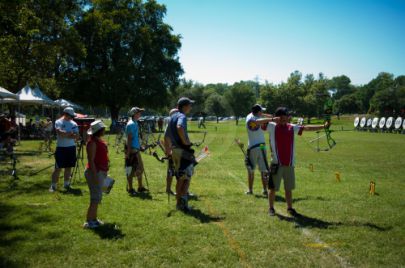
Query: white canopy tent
(30, 96)
(5, 94)
(65, 103)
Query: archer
(282, 144)
(256, 152)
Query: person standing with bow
(133, 159)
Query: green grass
(342, 225)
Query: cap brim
(263, 109)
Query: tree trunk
(114, 110)
(217, 119)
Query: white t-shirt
(67, 126)
(255, 131)
(282, 142)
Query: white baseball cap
(70, 111)
(95, 127)
(135, 110)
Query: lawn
(342, 224)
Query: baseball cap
(281, 111)
(184, 101)
(135, 110)
(258, 108)
(70, 111)
(95, 126)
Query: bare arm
(313, 127)
(129, 141)
(91, 155)
(182, 135)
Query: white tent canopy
(27, 95)
(65, 103)
(4, 93)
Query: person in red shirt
(282, 141)
(96, 170)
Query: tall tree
(215, 105)
(240, 98)
(131, 55)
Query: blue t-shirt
(133, 129)
(177, 119)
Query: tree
(215, 104)
(36, 38)
(240, 98)
(348, 104)
(342, 86)
(131, 56)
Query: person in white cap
(65, 155)
(133, 159)
(256, 125)
(96, 170)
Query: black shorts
(65, 157)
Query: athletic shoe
(52, 189)
(142, 189)
(67, 187)
(170, 192)
(190, 194)
(249, 192)
(272, 212)
(132, 192)
(99, 222)
(292, 212)
(264, 192)
(91, 225)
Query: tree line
(116, 53)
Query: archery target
(389, 122)
(369, 122)
(363, 122)
(398, 123)
(375, 122)
(356, 122)
(382, 122)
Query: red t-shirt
(101, 159)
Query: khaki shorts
(96, 192)
(256, 159)
(182, 166)
(286, 173)
(135, 162)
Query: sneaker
(67, 187)
(52, 189)
(142, 189)
(132, 192)
(292, 212)
(99, 222)
(190, 194)
(90, 225)
(183, 206)
(264, 192)
(272, 212)
(170, 192)
(249, 192)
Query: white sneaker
(52, 189)
(92, 224)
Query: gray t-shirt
(67, 126)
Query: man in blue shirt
(133, 159)
(182, 154)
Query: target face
(389, 122)
(253, 125)
(369, 122)
(356, 122)
(363, 122)
(382, 122)
(375, 122)
(398, 123)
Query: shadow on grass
(4, 262)
(73, 191)
(109, 231)
(199, 215)
(144, 196)
(302, 221)
(299, 199)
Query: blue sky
(233, 40)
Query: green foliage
(216, 104)
(240, 98)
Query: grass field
(342, 224)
